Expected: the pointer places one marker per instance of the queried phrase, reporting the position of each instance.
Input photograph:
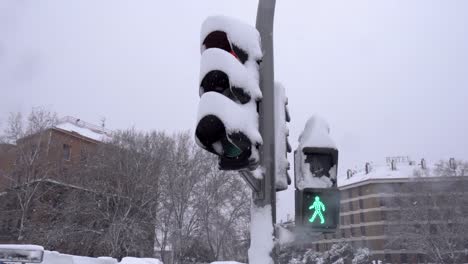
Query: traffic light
(316, 162)
(227, 121)
(320, 209)
(282, 143)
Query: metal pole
(265, 17)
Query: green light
(318, 207)
(231, 150)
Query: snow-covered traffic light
(227, 122)
(316, 165)
(282, 143)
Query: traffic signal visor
(228, 129)
(234, 36)
(317, 156)
(222, 73)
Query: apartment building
(49, 153)
(371, 209)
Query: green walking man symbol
(318, 207)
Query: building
(374, 203)
(49, 153)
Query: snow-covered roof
(400, 171)
(75, 125)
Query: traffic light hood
(225, 127)
(221, 72)
(316, 160)
(231, 34)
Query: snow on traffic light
(315, 166)
(227, 120)
(282, 146)
(316, 159)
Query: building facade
(379, 208)
(50, 153)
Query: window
(351, 206)
(363, 231)
(352, 219)
(342, 219)
(361, 216)
(66, 152)
(388, 258)
(404, 258)
(361, 204)
(382, 201)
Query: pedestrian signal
(318, 209)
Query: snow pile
(132, 260)
(316, 134)
(239, 76)
(261, 230)
(83, 131)
(226, 262)
(53, 257)
(281, 132)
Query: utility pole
(268, 159)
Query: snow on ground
(226, 262)
(132, 260)
(261, 230)
(54, 257)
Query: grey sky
(391, 77)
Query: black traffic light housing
(229, 89)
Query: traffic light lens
(317, 208)
(218, 39)
(231, 150)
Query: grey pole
(265, 17)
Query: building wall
(364, 218)
(51, 162)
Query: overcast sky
(390, 77)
